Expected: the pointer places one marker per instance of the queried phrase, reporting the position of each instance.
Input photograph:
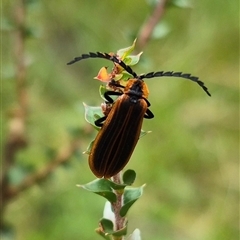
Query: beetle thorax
(136, 87)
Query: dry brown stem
(148, 27)
(63, 156)
(116, 206)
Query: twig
(147, 29)
(20, 15)
(63, 156)
(16, 138)
(116, 206)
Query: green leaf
(102, 90)
(89, 148)
(107, 225)
(161, 30)
(126, 76)
(118, 76)
(102, 187)
(92, 114)
(108, 228)
(124, 52)
(143, 133)
(118, 187)
(130, 196)
(129, 177)
(132, 59)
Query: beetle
(121, 127)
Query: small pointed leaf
(129, 177)
(118, 76)
(118, 187)
(131, 195)
(107, 228)
(102, 90)
(89, 148)
(133, 59)
(125, 76)
(143, 133)
(107, 225)
(124, 52)
(102, 187)
(91, 113)
(161, 30)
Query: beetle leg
(148, 114)
(99, 122)
(148, 103)
(108, 93)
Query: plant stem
(148, 27)
(16, 139)
(116, 206)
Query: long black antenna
(91, 55)
(148, 75)
(176, 74)
(105, 56)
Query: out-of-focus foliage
(189, 161)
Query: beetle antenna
(130, 71)
(105, 56)
(125, 67)
(176, 74)
(91, 55)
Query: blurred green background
(189, 161)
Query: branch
(147, 29)
(116, 207)
(16, 138)
(63, 156)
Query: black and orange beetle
(121, 128)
